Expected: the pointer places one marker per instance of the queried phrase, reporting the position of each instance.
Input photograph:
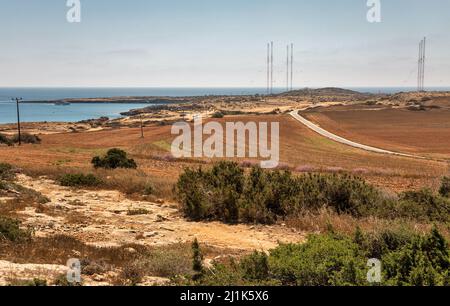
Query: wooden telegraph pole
(18, 119)
(142, 126)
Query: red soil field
(300, 148)
(424, 133)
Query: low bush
(217, 115)
(26, 138)
(211, 194)
(425, 261)
(6, 172)
(5, 140)
(332, 260)
(444, 190)
(324, 260)
(226, 193)
(139, 211)
(380, 243)
(79, 180)
(10, 230)
(423, 205)
(114, 158)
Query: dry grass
(134, 261)
(21, 199)
(346, 224)
(68, 152)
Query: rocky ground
(107, 218)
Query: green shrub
(26, 138)
(148, 189)
(114, 158)
(10, 230)
(62, 281)
(445, 187)
(212, 194)
(5, 140)
(79, 180)
(423, 262)
(225, 193)
(330, 260)
(135, 212)
(423, 205)
(255, 267)
(36, 282)
(197, 259)
(6, 172)
(218, 115)
(324, 260)
(377, 244)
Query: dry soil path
(99, 217)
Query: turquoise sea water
(76, 112)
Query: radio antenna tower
(292, 64)
(271, 67)
(268, 68)
(421, 65)
(287, 68)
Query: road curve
(334, 137)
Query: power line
(18, 118)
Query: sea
(49, 112)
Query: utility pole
(18, 118)
(142, 126)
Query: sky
(221, 43)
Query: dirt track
(99, 217)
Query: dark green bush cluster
(114, 158)
(445, 187)
(79, 180)
(331, 260)
(423, 205)
(425, 261)
(5, 140)
(228, 194)
(212, 194)
(26, 138)
(6, 172)
(218, 115)
(10, 230)
(138, 211)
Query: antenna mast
(292, 64)
(268, 68)
(287, 68)
(271, 67)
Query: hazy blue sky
(208, 43)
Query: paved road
(342, 140)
